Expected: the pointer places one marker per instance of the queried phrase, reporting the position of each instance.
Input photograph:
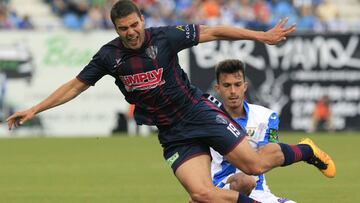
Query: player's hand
(278, 33)
(19, 118)
(242, 183)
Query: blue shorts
(206, 126)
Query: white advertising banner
(33, 64)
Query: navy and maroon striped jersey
(151, 77)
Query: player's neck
(238, 112)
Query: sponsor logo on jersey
(151, 51)
(187, 31)
(172, 159)
(180, 27)
(143, 81)
(273, 135)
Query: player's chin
(135, 46)
(233, 104)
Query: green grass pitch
(132, 170)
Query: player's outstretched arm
(63, 94)
(273, 36)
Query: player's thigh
(252, 162)
(194, 174)
(245, 158)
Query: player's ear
(216, 88)
(245, 86)
(142, 18)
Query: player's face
(232, 88)
(131, 30)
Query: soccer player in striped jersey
(261, 124)
(144, 65)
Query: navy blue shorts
(206, 126)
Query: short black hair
(122, 9)
(229, 66)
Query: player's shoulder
(262, 113)
(111, 48)
(260, 109)
(158, 30)
(168, 29)
(114, 43)
(158, 33)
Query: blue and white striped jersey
(262, 126)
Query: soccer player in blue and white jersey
(144, 65)
(261, 124)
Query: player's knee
(203, 194)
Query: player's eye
(122, 28)
(238, 84)
(135, 24)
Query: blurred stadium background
(44, 43)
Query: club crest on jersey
(118, 62)
(143, 81)
(151, 51)
(250, 131)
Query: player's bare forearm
(63, 94)
(208, 33)
(273, 36)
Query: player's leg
(190, 162)
(244, 157)
(194, 175)
(279, 154)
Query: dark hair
(122, 9)
(229, 66)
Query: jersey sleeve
(95, 70)
(273, 128)
(182, 36)
(221, 169)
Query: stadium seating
(39, 12)
(44, 17)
